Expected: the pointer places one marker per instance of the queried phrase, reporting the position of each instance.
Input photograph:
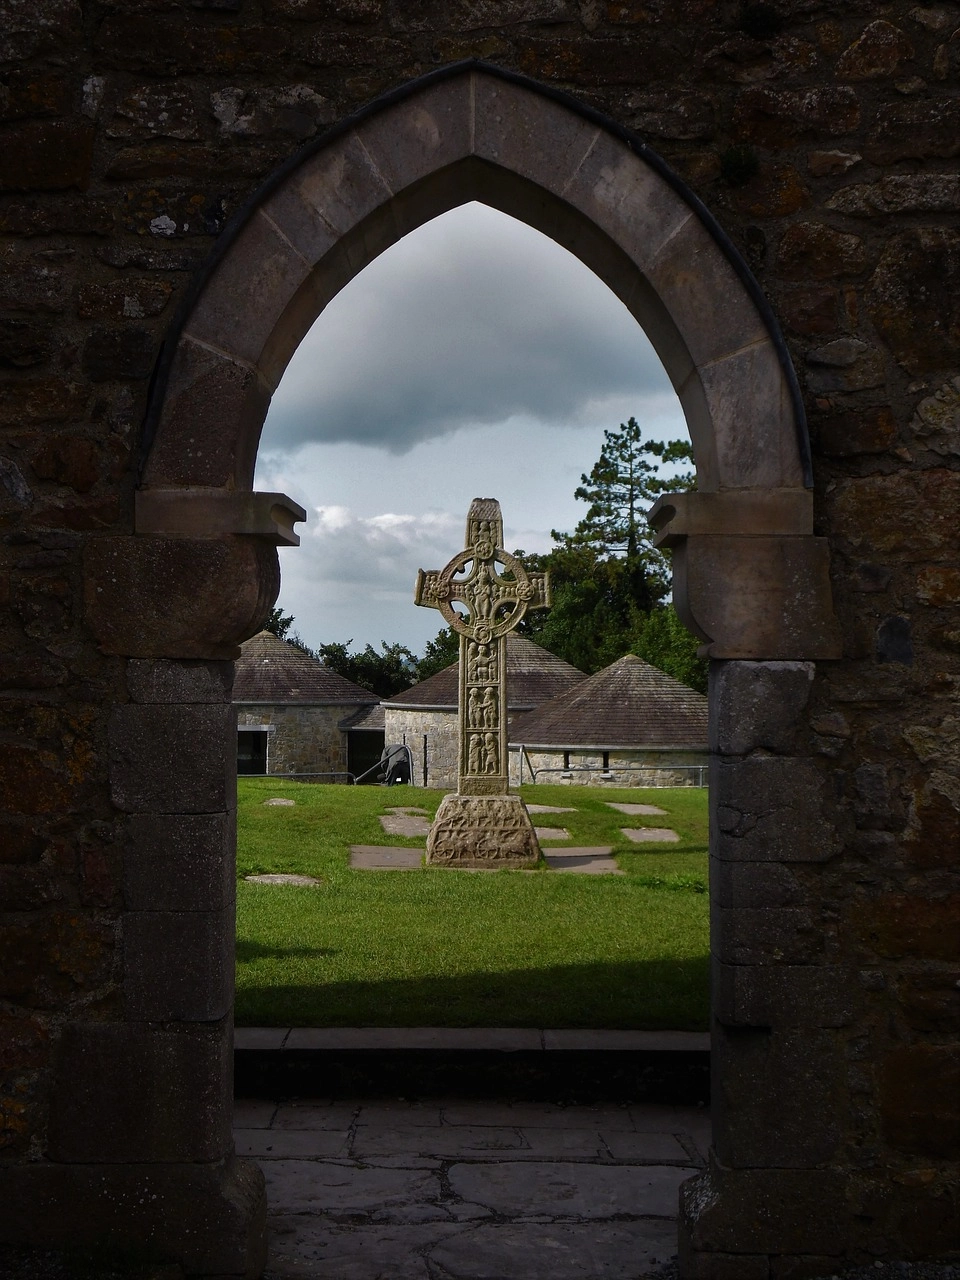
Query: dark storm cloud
(472, 319)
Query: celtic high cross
(483, 605)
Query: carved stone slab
(482, 831)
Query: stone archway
(201, 572)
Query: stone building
(771, 189)
(424, 717)
(628, 725)
(294, 715)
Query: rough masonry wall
(304, 740)
(442, 743)
(824, 136)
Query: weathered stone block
(178, 597)
(765, 935)
(920, 1099)
(157, 680)
(925, 502)
(46, 962)
(782, 995)
(812, 250)
(778, 118)
(248, 294)
(172, 759)
(482, 831)
(128, 1093)
(771, 809)
(119, 354)
(692, 279)
(768, 1210)
(211, 1218)
(757, 705)
(901, 924)
(178, 965)
(876, 53)
(179, 862)
(915, 301)
(46, 156)
(213, 406)
(753, 884)
(845, 435)
(917, 130)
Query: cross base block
(482, 831)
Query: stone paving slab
(585, 862)
(315, 1116)
(635, 810)
(291, 1144)
(375, 857)
(538, 1115)
(559, 1190)
(548, 808)
(552, 833)
(342, 1191)
(469, 1190)
(467, 1142)
(651, 835)
(405, 824)
(302, 882)
(308, 1248)
(556, 1251)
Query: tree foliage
(608, 579)
(278, 623)
(390, 671)
(439, 653)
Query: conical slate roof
(270, 670)
(628, 704)
(533, 675)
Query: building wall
(304, 739)
(822, 135)
(441, 730)
(625, 768)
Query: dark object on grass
(395, 764)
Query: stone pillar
(139, 1150)
(773, 1188)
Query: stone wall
(304, 739)
(823, 134)
(442, 743)
(624, 768)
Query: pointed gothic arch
(201, 573)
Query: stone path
(475, 1190)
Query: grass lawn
(437, 947)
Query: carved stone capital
(749, 577)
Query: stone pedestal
(482, 831)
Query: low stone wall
(624, 768)
(304, 739)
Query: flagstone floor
(471, 1190)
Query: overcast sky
(475, 358)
